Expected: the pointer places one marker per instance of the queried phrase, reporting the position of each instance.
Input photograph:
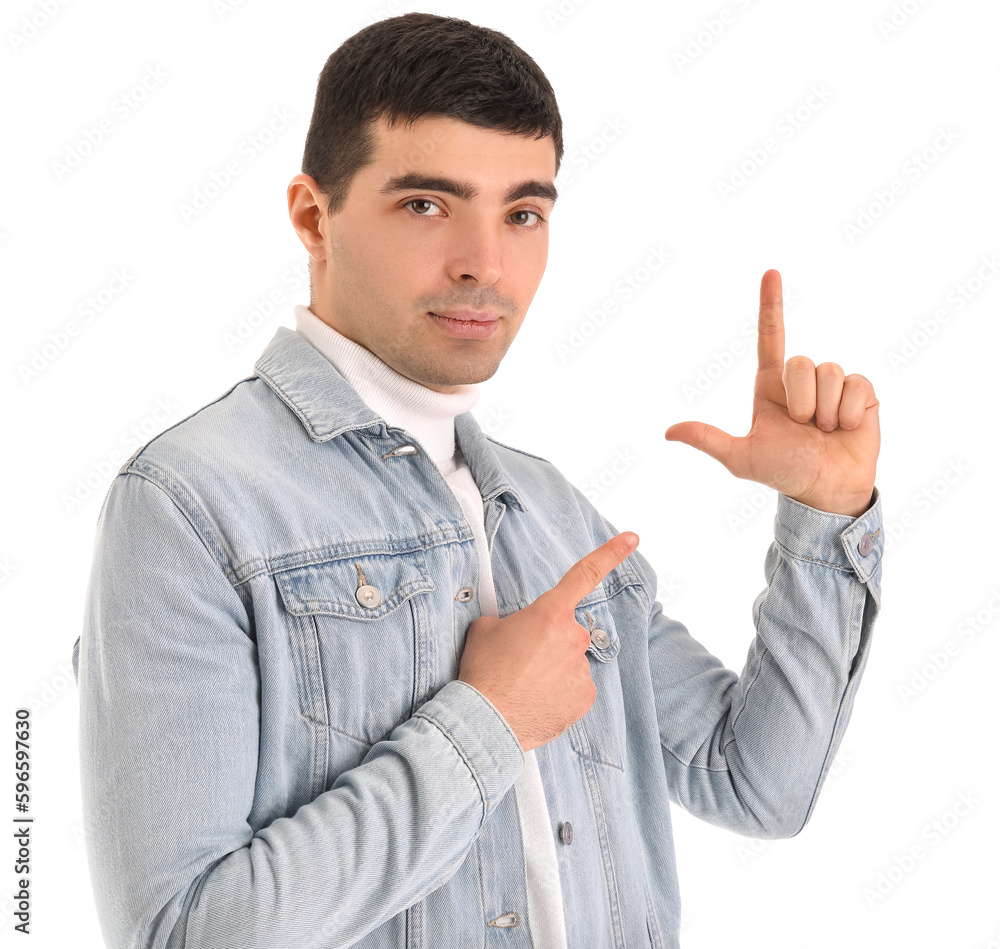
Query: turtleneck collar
(424, 413)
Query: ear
(307, 212)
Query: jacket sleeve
(169, 732)
(750, 752)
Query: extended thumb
(707, 438)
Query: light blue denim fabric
(268, 763)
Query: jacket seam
(479, 784)
(194, 526)
(816, 560)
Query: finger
(829, 392)
(770, 323)
(799, 379)
(713, 441)
(859, 394)
(589, 571)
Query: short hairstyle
(413, 65)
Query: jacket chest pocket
(355, 627)
(600, 734)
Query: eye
(540, 219)
(422, 201)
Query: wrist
(851, 505)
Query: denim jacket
(273, 757)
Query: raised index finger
(770, 323)
(590, 570)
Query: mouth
(467, 316)
(466, 324)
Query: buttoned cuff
(481, 735)
(850, 543)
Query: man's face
(400, 251)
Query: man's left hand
(814, 434)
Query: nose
(477, 253)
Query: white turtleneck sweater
(430, 416)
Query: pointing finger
(590, 570)
(770, 323)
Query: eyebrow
(464, 190)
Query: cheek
(529, 265)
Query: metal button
(506, 921)
(865, 544)
(464, 595)
(368, 596)
(566, 833)
(402, 450)
(600, 638)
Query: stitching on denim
(824, 563)
(329, 553)
(287, 399)
(746, 693)
(608, 856)
(849, 686)
(475, 774)
(223, 567)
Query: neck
(427, 414)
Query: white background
(672, 131)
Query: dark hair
(413, 65)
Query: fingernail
(632, 539)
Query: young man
(353, 673)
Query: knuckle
(830, 370)
(590, 573)
(799, 364)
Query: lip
(467, 316)
(478, 326)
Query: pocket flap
(331, 587)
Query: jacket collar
(327, 406)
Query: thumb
(707, 438)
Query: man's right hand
(532, 665)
